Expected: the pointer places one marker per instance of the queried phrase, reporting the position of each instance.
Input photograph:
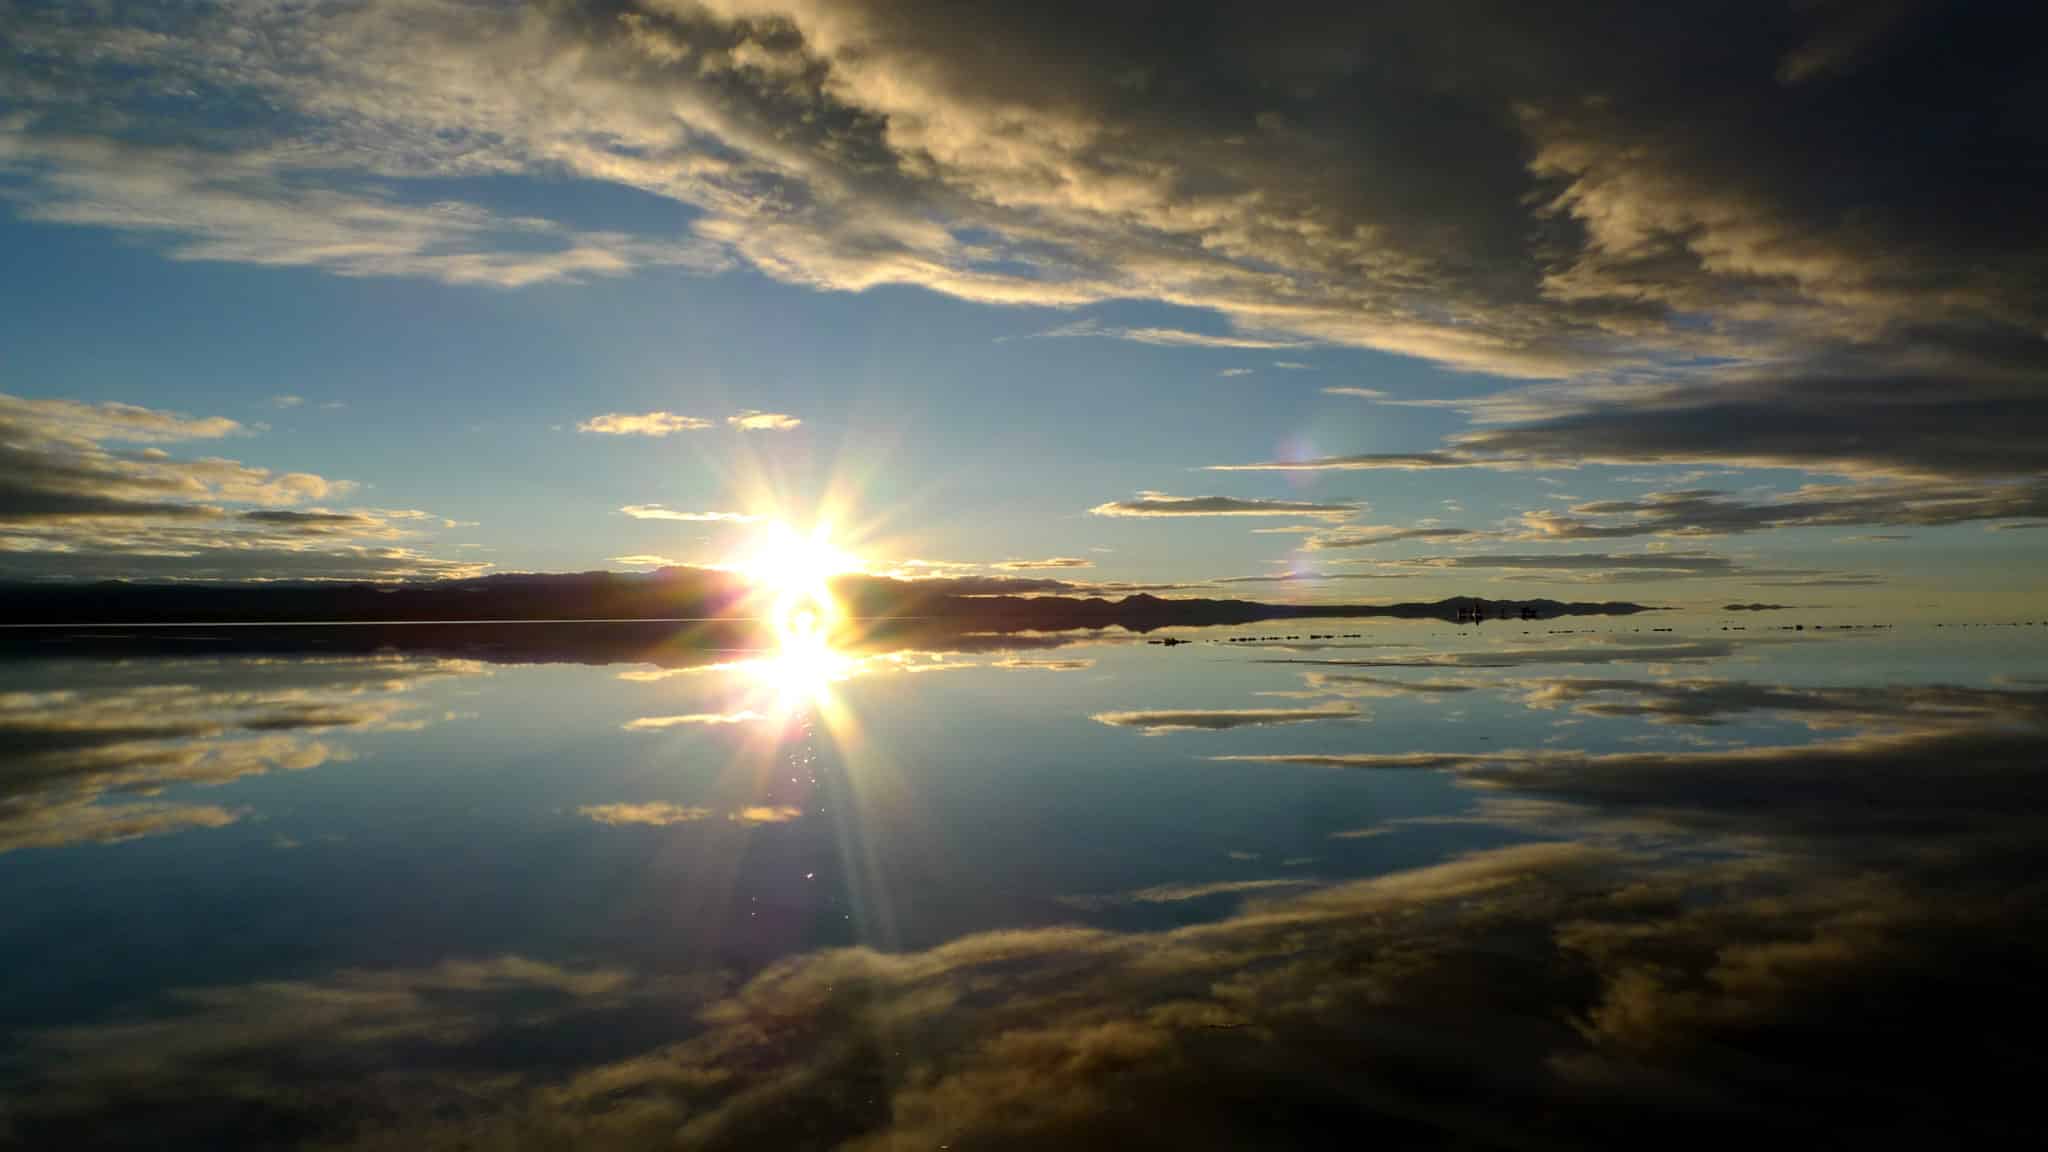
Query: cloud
(661, 815)
(1615, 650)
(1590, 990)
(1688, 563)
(642, 424)
(753, 420)
(1824, 580)
(1612, 567)
(1337, 683)
(1368, 461)
(1913, 450)
(258, 206)
(60, 824)
(1926, 428)
(1925, 763)
(1361, 759)
(1235, 372)
(657, 815)
(1361, 393)
(1776, 237)
(78, 501)
(77, 752)
(1178, 893)
(1730, 271)
(287, 402)
(1222, 719)
(658, 512)
(1048, 562)
(691, 719)
(1367, 535)
(1705, 512)
(645, 560)
(1279, 578)
(1708, 702)
(1160, 504)
(1586, 988)
(1170, 338)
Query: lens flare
(794, 570)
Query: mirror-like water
(1510, 886)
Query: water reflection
(1462, 893)
(89, 746)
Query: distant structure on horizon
(1476, 612)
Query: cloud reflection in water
(1827, 937)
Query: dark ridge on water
(604, 615)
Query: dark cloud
(1618, 567)
(1365, 461)
(1587, 995)
(1925, 763)
(80, 500)
(1711, 702)
(83, 743)
(310, 521)
(1834, 211)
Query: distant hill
(694, 594)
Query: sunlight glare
(795, 570)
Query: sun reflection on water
(794, 571)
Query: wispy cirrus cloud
(263, 206)
(1050, 562)
(662, 512)
(1169, 338)
(1222, 719)
(692, 720)
(1161, 504)
(1367, 535)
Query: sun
(785, 561)
(793, 571)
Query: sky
(1746, 304)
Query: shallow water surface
(1520, 885)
